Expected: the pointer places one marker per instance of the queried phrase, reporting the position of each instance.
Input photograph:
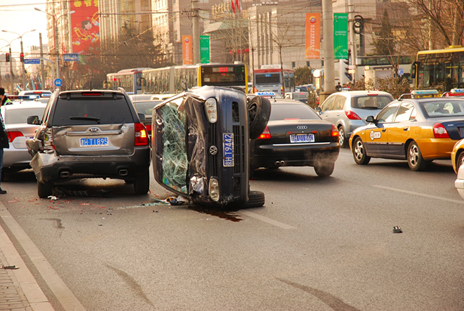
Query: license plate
(302, 138)
(228, 141)
(94, 142)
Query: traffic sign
(71, 57)
(32, 61)
(58, 82)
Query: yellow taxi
(418, 130)
(457, 155)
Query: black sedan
(295, 136)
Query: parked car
(416, 130)
(296, 136)
(90, 133)
(348, 110)
(16, 157)
(200, 145)
(459, 182)
(146, 107)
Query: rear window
(15, 116)
(292, 112)
(443, 108)
(88, 111)
(370, 102)
(146, 107)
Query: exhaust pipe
(282, 162)
(65, 174)
(279, 163)
(123, 172)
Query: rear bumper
(52, 168)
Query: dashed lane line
(420, 194)
(267, 220)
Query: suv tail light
(352, 115)
(266, 134)
(439, 131)
(141, 136)
(13, 134)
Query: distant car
(146, 107)
(348, 110)
(161, 96)
(16, 157)
(416, 130)
(40, 93)
(90, 133)
(296, 136)
(139, 97)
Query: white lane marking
(420, 194)
(267, 220)
(54, 282)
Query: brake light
(13, 134)
(439, 131)
(91, 94)
(335, 132)
(352, 115)
(141, 136)
(266, 134)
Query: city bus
(269, 79)
(442, 70)
(129, 79)
(176, 79)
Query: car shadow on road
(291, 174)
(435, 166)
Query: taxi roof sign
(424, 93)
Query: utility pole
(328, 46)
(11, 72)
(42, 69)
(196, 32)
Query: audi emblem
(302, 127)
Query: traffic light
(347, 69)
(7, 57)
(21, 57)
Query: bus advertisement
(269, 79)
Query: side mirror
(318, 109)
(33, 120)
(141, 117)
(370, 119)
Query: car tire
(342, 137)
(459, 161)
(255, 199)
(259, 111)
(44, 190)
(415, 160)
(142, 183)
(324, 169)
(359, 152)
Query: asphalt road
(318, 244)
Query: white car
(459, 182)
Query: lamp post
(11, 64)
(55, 35)
(22, 52)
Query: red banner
(313, 36)
(85, 26)
(187, 50)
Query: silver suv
(349, 110)
(94, 133)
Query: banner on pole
(187, 50)
(341, 35)
(313, 36)
(205, 55)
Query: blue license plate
(94, 142)
(302, 138)
(228, 141)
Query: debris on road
(397, 229)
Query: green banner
(341, 35)
(204, 50)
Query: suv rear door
(93, 123)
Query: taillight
(352, 115)
(13, 134)
(439, 131)
(335, 132)
(266, 134)
(141, 136)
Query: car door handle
(384, 129)
(406, 128)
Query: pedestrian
(5, 99)
(3, 137)
(338, 87)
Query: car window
(443, 108)
(14, 116)
(75, 111)
(339, 102)
(387, 114)
(328, 104)
(405, 112)
(292, 112)
(370, 102)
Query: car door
(398, 131)
(332, 108)
(377, 136)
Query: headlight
(214, 189)
(211, 109)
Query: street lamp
(11, 64)
(55, 35)
(22, 52)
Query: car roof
(361, 93)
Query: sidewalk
(19, 290)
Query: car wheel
(142, 183)
(459, 161)
(259, 110)
(44, 190)
(415, 160)
(359, 152)
(342, 137)
(324, 169)
(255, 199)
